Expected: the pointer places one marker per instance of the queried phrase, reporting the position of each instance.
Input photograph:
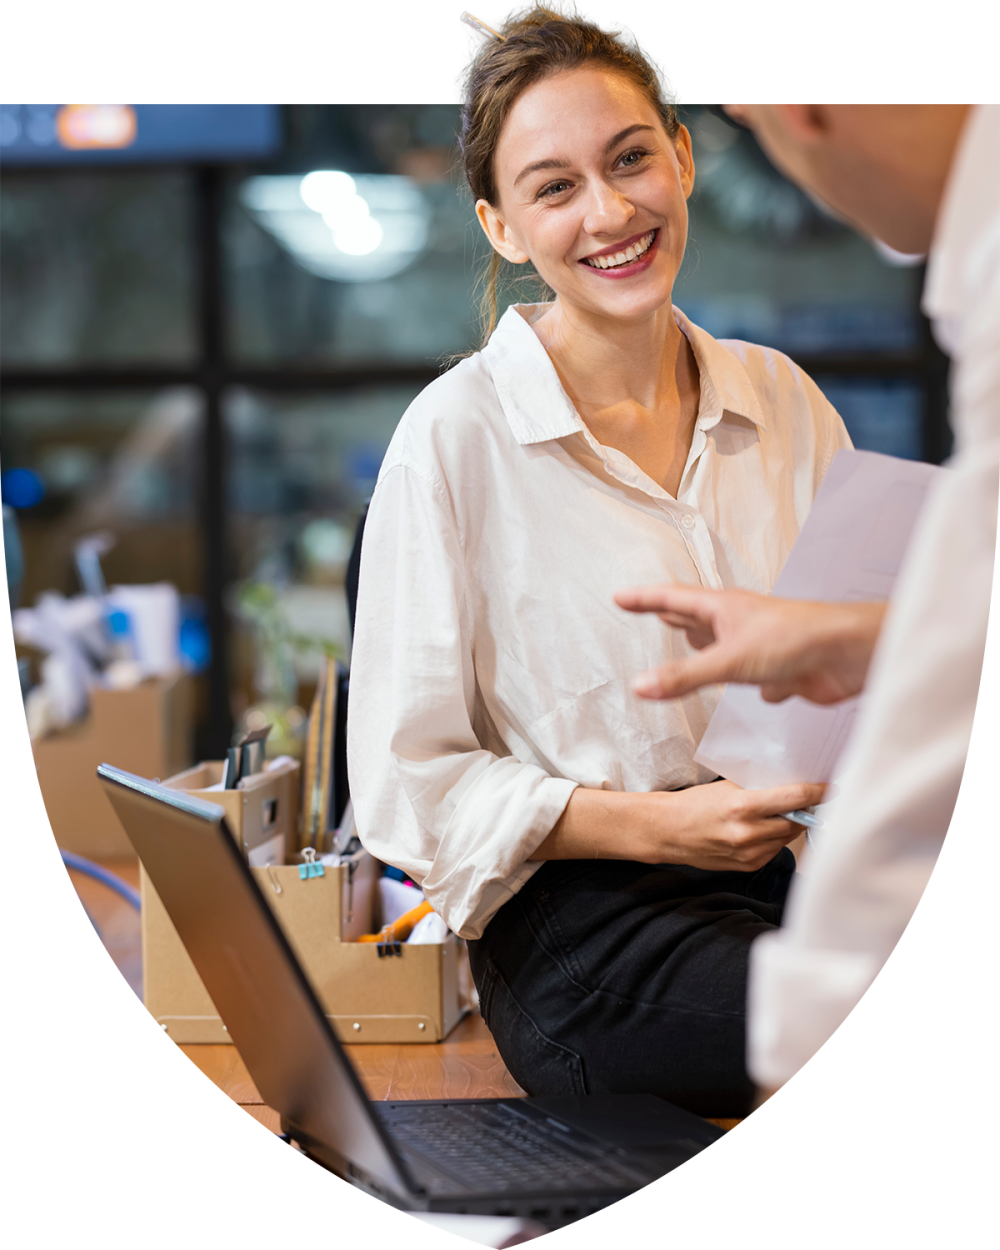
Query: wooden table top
(465, 1065)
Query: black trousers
(604, 976)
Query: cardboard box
(418, 995)
(146, 730)
(263, 813)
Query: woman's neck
(635, 384)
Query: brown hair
(535, 44)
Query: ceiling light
(351, 228)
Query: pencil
(477, 24)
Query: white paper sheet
(850, 548)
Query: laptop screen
(253, 976)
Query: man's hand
(820, 651)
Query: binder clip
(389, 947)
(312, 867)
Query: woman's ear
(685, 159)
(499, 234)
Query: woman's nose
(607, 210)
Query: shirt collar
(528, 387)
(538, 409)
(725, 383)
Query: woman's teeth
(631, 253)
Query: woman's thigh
(604, 976)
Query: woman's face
(593, 191)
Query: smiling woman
(592, 188)
(610, 886)
(507, 67)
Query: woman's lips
(626, 266)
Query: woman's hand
(721, 826)
(718, 826)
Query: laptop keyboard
(490, 1148)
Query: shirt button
(688, 521)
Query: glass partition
(881, 414)
(98, 268)
(125, 462)
(298, 299)
(766, 264)
(301, 468)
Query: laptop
(548, 1159)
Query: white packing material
(397, 898)
(72, 632)
(431, 931)
(278, 762)
(155, 614)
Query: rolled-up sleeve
(428, 796)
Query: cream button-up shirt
(904, 765)
(491, 671)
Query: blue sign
(102, 134)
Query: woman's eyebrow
(531, 169)
(624, 134)
(557, 164)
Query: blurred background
(214, 316)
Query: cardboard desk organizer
(413, 996)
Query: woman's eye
(632, 158)
(553, 188)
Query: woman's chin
(625, 305)
(626, 299)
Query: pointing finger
(684, 600)
(671, 681)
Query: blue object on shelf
(194, 643)
(21, 488)
(118, 623)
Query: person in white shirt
(610, 887)
(919, 177)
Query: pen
(480, 25)
(803, 818)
